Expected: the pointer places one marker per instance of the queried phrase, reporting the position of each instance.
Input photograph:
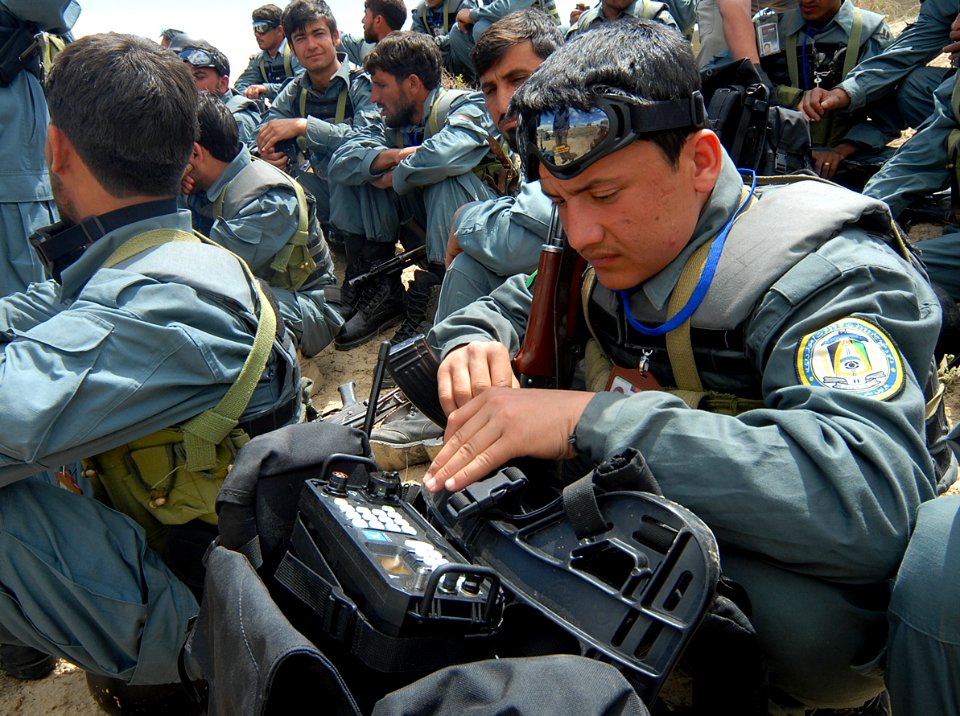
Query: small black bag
(769, 140)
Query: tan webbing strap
(341, 112)
(679, 346)
(287, 60)
(303, 100)
(203, 433)
(850, 61)
(792, 60)
(281, 259)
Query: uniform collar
(723, 202)
(794, 24)
(230, 172)
(160, 215)
(343, 74)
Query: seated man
(438, 18)
(815, 51)
(140, 354)
(899, 72)
(264, 217)
(380, 18)
(479, 19)
(275, 65)
(211, 72)
(609, 10)
(418, 165)
(823, 330)
(319, 108)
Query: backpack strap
(792, 70)
(287, 60)
(204, 432)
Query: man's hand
(817, 102)
(453, 248)
(501, 424)
(254, 91)
(388, 159)
(277, 130)
(187, 182)
(472, 369)
(954, 47)
(463, 20)
(827, 162)
(278, 159)
(384, 181)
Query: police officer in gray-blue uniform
(494, 239)
(821, 42)
(26, 202)
(380, 18)
(438, 18)
(824, 331)
(320, 108)
(211, 72)
(275, 65)
(263, 216)
(149, 352)
(481, 18)
(419, 164)
(609, 10)
(900, 68)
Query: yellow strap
(303, 100)
(287, 60)
(341, 113)
(850, 61)
(679, 346)
(203, 433)
(433, 124)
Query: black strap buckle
(481, 496)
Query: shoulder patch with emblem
(853, 356)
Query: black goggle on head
(568, 140)
(198, 57)
(262, 26)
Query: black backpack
(768, 139)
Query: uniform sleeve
(248, 124)
(919, 166)
(416, 22)
(505, 234)
(250, 76)
(821, 480)
(350, 162)
(497, 9)
(457, 148)
(260, 229)
(914, 47)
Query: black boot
(420, 304)
(25, 663)
(357, 263)
(379, 304)
(119, 698)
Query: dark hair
(267, 13)
(644, 59)
(402, 54)
(130, 110)
(299, 13)
(530, 25)
(394, 12)
(218, 133)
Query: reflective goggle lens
(196, 57)
(567, 136)
(263, 26)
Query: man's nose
(582, 227)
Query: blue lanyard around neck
(706, 277)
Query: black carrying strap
(316, 586)
(624, 471)
(19, 50)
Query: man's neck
(609, 12)
(322, 82)
(274, 49)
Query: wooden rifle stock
(537, 361)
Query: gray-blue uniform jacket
(247, 115)
(255, 232)
(642, 9)
(871, 128)
(106, 357)
(271, 72)
(919, 43)
(356, 48)
(445, 158)
(26, 199)
(812, 497)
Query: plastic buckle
(481, 496)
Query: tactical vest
(643, 9)
(336, 110)
(443, 20)
(709, 367)
(270, 72)
(305, 257)
(173, 476)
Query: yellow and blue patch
(853, 356)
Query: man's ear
(61, 154)
(223, 84)
(197, 155)
(707, 155)
(336, 39)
